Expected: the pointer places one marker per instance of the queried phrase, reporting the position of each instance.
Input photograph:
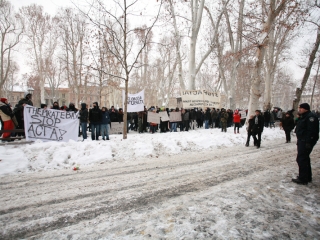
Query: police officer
(307, 132)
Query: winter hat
(3, 100)
(305, 106)
(26, 94)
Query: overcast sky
(51, 7)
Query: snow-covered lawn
(60, 155)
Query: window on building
(63, 95)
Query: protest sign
(135, 101)
(116, 128)
(200, 99)
(153, 117)
(175, 116)
(50, 125)
(164, 116)
(243, 114)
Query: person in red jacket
(236, 120)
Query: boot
(247, 144)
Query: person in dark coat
(307, 131)
(84, 117)
(72, 108)
(186, 120)
(27, 100)
(249, 129)
(113, 113)
(257, 127)
(105, 124)
(56, 106)
(287, 124)
(95, 118)
(267, 116)
(207, 117)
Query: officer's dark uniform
(307, 132)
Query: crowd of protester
(98, 120)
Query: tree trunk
(314, 85)
(196, 11)
(255, 90)
(306, 75)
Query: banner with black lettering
(200, 99)
(135, 101)
(50, 125)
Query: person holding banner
(18, 111)
(153, 125)
(84, 117)
(95, 118)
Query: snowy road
(229, 193)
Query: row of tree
(238, 47)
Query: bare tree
(316, 23)
(273, 12)
(74, 33)
(41, 41)
(118, 39)
(11, 29)
(316, 79)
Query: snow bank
(60, 155)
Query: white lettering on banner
(50, 125)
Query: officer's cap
(305, 106)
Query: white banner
(243, 114)
(153, 117)
(116, 128)
(50, 125)
(164, 116)
(200, 99)
(135, 101)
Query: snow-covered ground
(200, 184)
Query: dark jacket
(308, 128)
(72, 108)
(258, 127)
(250, 125)
(207, 114)
(113, 115)
(105, 117)
(83, 113)
(287, 123)
(95, 114)
(120, 115)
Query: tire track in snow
(194, 175)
